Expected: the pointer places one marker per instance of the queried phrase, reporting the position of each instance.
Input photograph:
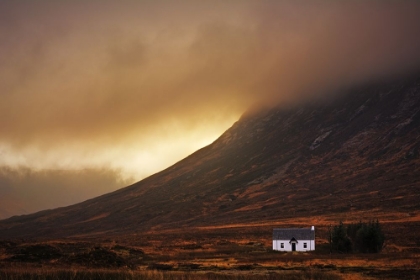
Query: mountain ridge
(352, 156)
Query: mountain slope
(354, 156)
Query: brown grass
(218, 252)
(44, 274)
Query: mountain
(354, 155)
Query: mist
(131, 87)
(25, 191)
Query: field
(228, 252)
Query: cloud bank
(24, 191)
(133, 86)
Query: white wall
(299, 246)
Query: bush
(97, 257)
(340, 241)
(367, 238)
(35, 253)
(361, 237)
(159, 266)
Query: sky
(96, 95)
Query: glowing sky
(98, 94)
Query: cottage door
(293, 246)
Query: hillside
(352, 157)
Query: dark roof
(297, 233)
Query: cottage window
(305, 246)
(282, 245)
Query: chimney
(312, 228)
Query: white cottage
(294, 239)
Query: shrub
(97, 257)
(159, 266)
(360, 237)
(340, 241)
(367, 238)
(36, 253)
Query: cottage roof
(297, 233)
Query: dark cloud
(93, 78)
(140, 84)
(23, 191)
(323, 45)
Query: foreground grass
(45, 274)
